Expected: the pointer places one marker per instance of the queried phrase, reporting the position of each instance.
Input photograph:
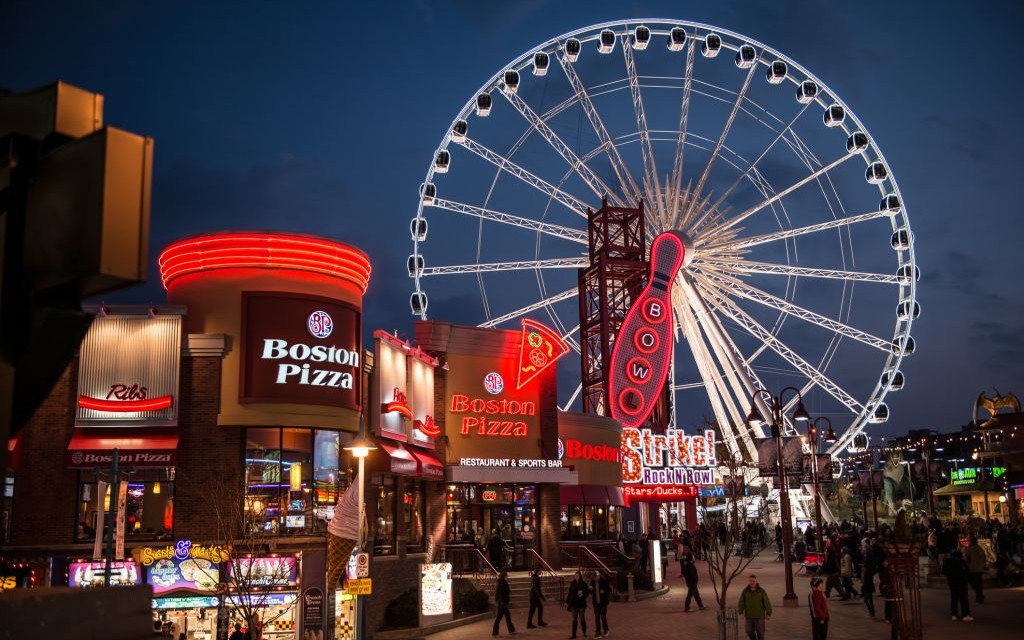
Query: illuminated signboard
(280, 571)
(965, 476)
(181, 566)
(672, 458)
(658, 492)
(436, 590)
(539, 347)
(643, 348)
(128, 371)
(300, 349)
(91, 574)
(404, 380)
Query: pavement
(1000, 617)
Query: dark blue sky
(323, 117)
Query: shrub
(402, 613)
(468, 600)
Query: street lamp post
(754, 418)
(830, 436)
(360, 448)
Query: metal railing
(551, 577)
(468, 561)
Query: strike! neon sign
(652, 458)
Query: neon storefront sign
(658, 492)
(673, 457)
(487, 413)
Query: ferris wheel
(802, 271)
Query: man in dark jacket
(502, 597)
(692, 578)
(976, 565)
(955, 570)
(601, 591)
(576, 601)
(495, 546)
(536, 601)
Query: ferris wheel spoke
(582, 170)
(522, 311)
(702, 182)
(572, 398)
(754, 294)
(553, 230)
(739, 180)
(570, 201)
(684, 118)
(720, 301)
(775, 236)
(651, 184)
(607, 145)
(732, 222)
(551, 263)
(767, 268)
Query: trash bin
(728, 624)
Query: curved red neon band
(126, 406)
(398, 407)
(264, 251)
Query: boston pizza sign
(300, 349)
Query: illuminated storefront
(593, 508)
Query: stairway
(519, 585)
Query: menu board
(196, 574)
(436, 590)
(91, 574)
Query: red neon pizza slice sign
(643, 347)
(539, 348)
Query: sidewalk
(1001, 617)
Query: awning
(521, 475)
(141, 447)
(392, 457)
(594, 494)
(615, 497)
(571, 494)
(14, 452)
(429, 466)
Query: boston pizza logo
(494, 383)
(320, 324)
(561, 449)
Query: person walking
(867, 591)
(495, 547)
(846, 574)
(817, 602)
(976, 567)
(502, 599)
(691, 577)
(537, 599)
(957, 576)
(601, 593)
(755, 607)
(576, 601)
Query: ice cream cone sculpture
(342, 535)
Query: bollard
(630, 591)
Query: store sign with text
(404, 380)
(486, 415)
(300, 349)
(511, 463)
(658, 492)
(672, 458)
(183, 565)
(128, 371)
(269, 572)
(92, 574)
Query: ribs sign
(643, 347)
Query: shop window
(413, 515)
(384, 523)
(149, 505)
(279, 481)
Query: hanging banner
(122, 505)
(101, 519)
(768, 456)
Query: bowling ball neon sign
(643, 348)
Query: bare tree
(240, 531)
(731, 551)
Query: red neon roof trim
(126, 406)
(400, 407)
(265, 251)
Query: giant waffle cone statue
(342, 534)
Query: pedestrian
(846, 573)
(976, 567)
(537, 599)
(818, 605)
(957, 576)
(502, 598)
(682, 549)
(576, 601)
(867, 591)
(754, 605)
(601, 593)
(237, 634)
(691, 577)
(830, 569)
(495, 546)
(645, 553)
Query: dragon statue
(993, 405)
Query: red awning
(141, 447)
(615, 497)
(429, 466)
(392, 457)
(570, 494)
(594, 494)
(14, 452)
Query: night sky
(323, 117)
